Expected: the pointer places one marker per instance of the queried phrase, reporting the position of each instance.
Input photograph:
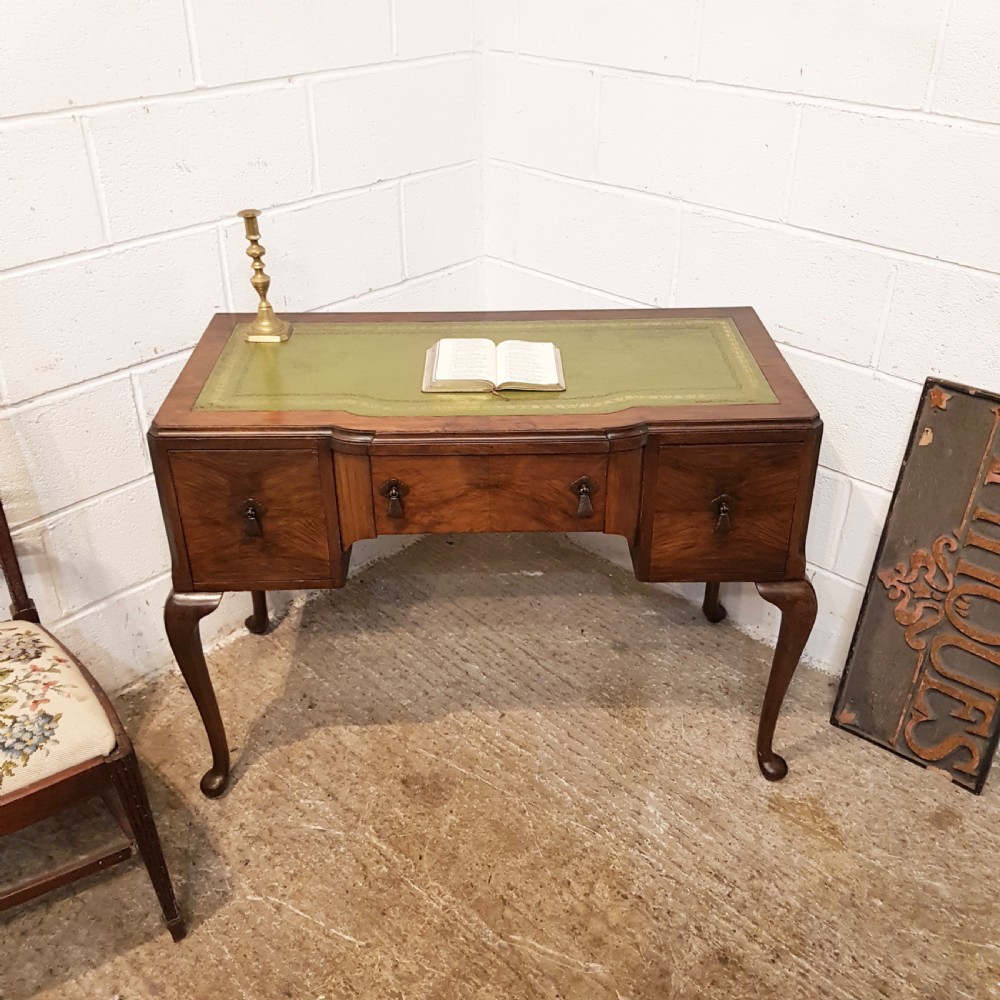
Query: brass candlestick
(266, 328)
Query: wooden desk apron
(682, 430)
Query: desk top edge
(178, 414)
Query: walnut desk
(683, 430)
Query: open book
(471, 364)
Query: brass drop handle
(723, 507)
(394, 490)
(252, 513)
(584, 488)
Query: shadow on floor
(113, 912)
(367, 655)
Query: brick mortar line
(883, 323)
(837, 474)
(315, 185)
(51, 396)
(699, 41)
(72, 617)
(472, 54)
(939, 46)
(192, 40)
(793, 162)
(50, 517)
(899, 379)
(53, 516)
(890, 112)
(139, 402)
(675, 268)
(165, 236)
(95, 180)
(287, 81)
(902, 382)
(559, 279)
(838, 529)
(418, 279)
(823, 571)
(481, 141)
(750, 220)
(401, 229)
(66, 392)
(227, 278)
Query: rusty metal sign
(923, 673)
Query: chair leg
(127, 781)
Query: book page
(527, 362)
(465, 359)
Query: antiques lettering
(957, 673)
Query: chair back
(22, 607)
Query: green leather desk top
(375, 369)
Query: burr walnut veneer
(682, 430)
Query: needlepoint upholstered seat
(61, 741)
(50, 718)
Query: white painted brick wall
(241, 40)
(600, 237)
(391, 121)
(362, 250)
(633, 34)
(967, 84)
(711, 147)
(180, 161)
(48, 206)
(543, 115)
(88, 314)
(917, 185)
(835, 168)
(130, 134)
(56, 55)
(434, 27)
(832, 165)
(437, 209)
(786, 275)
(855, 50)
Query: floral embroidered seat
(50, 718)
(61, 742)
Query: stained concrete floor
(497, 767)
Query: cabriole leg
(181, 615)
(796, 600)
(713, 610)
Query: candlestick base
(266, 328)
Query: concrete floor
(497, 767)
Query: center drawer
(462, 493)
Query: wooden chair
(61, 741)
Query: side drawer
(724, 512)
(253, 517)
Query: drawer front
(286, 541)
(439, 494)
(548, 492)
(724, 512)
(489, 493)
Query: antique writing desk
(683, 430)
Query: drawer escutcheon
(394, 490)
(584, 488)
